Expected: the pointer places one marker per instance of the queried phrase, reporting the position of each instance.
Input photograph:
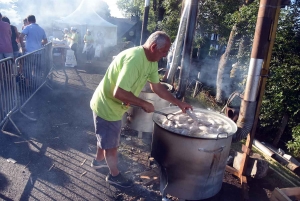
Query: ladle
(193, 116)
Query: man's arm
(128, 97)
(17, 35)
(163, 93)
(21, 39)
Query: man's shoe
(119, 180)
(98, 164)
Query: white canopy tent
(83, 18)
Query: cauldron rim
(173, 109)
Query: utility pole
(187, 48)
(145, 22)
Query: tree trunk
(233, 72)
(238, 69)
(222, 64)
(284, 122)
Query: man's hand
(148, 107)
(128, 97)
(184, 106)
(162, 92)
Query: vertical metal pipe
(178, 42)
(187, 49)
(260, 46)
(145, 22)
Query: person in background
(35, 36)
(14, 38)
(122, 83)
(74, 41)
(88, 46)
(25, 23)
(35, 39)
(67, 35)
(99, 46)
(6, 49)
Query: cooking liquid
(206, 126)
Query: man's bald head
(160, 38)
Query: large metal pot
(192, 168)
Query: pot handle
(222, 135)
(212, 151)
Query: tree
(101, 8)
(136, 8)
(241, 27)
(131, 7)
(171, 20)
(283, 89)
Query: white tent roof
(85, 15)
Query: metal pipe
(260, 49)
(273, 154)
(145, 22)
(187, 49)
(264, 149)
(178, 43)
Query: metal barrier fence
(33, 71)
(21, 80)
(8, 91)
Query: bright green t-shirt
(88, 38)
(74, 37)
(130, 70)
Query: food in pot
(206, 124)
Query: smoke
(45, 11)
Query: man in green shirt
(122, 83)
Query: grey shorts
(107, 132)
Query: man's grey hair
(158, 37)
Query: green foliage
(283, 89)
(294, 145)
(213, 52)
(171, 20)
(130, 7)
(137, 8)
(244, 18)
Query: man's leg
(99, 154)
(111, 157)
(115, 177)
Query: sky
(64, 8)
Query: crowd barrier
(8, 92)
(20, 81)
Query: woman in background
(88, 46)
(14, 38)
(74, 41)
